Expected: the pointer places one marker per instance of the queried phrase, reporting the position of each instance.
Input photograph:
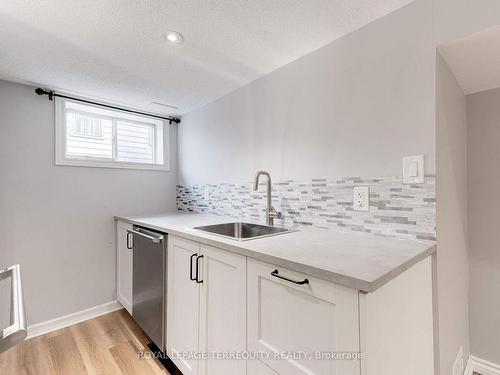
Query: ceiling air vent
(161, 108)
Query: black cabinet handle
(129, 243)
(191, 267)
(275, 273)
(197, 273)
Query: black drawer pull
(191, 267)
(197, 279)
(275, 273)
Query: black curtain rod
(51, 95)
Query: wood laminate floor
(108, 344)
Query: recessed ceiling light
(174, 37)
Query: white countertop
(357, 260)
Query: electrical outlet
(361, 198)
(206, 193)
(458, 366)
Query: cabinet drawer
(313, 317)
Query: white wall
(451, 217)
(353, 108)
(484, 207)
(456, 19)
(57, 221)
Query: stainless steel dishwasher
(149, 281)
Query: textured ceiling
(475, 60)
(115, 50)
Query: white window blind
(88, 135)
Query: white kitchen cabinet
(397, 332)
(230, 304)
(314, 317)
(183, 304)
(124, 272)
(235, 304)
(208, 314)
(222, 310)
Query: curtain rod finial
(40, 91)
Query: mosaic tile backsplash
(396, 209)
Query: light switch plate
(361, 198)
(413, 169)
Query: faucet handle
(274, 213)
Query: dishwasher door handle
(158, 239)
(129, 243)
(17, 331)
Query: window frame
(161, 136)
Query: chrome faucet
(271, 212)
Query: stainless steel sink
(243, 231)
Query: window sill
(106, 164)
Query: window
(89, 135)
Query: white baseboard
(67, 320)
(481, 366)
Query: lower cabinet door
(223, 312)
(124, 260)
(183, 304)
(299, 327)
